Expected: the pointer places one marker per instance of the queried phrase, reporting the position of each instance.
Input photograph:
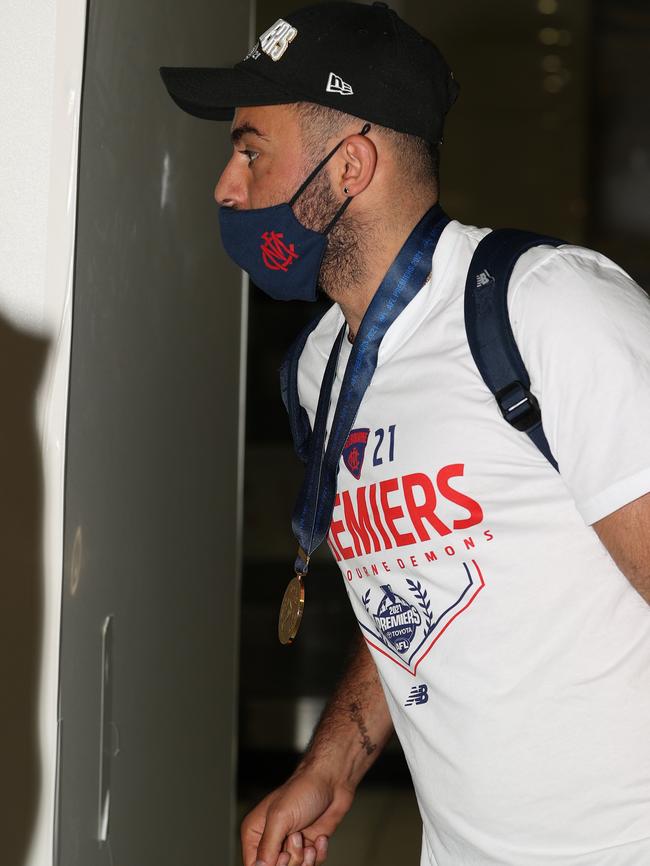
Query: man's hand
(292, 825)
(296, 819)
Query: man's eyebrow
(239, 131)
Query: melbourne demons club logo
(405, 619)
(277, 256)
(354, 450)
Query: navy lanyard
(408, 273)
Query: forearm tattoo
(357, 717)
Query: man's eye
(251, 155)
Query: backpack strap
(298, 418)
(489, 331)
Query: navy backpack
(489, 335)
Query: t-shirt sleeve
(583, 329)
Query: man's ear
(355, 165)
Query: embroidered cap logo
(275, 41)
(276, 254)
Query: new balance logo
(419, 695)
(483, 279)
(335, 84)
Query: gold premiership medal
(291, 610)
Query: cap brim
(213, 94)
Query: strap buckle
(519, 407)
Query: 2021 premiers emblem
(405, 626)
(397, 619)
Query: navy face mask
(279, 254)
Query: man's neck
(354, 301)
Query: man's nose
(230, 191)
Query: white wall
(41, 61)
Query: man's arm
(626, 535)
(299, 817)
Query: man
(503, 606)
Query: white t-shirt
(514, 655)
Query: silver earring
(346, 190)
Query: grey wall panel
(152, 479)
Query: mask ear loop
(305, 184)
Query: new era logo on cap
(335, 84)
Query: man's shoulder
(571, 278)
(461, 241)
(567, 276)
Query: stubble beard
(343, 266)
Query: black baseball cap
(360, 59)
